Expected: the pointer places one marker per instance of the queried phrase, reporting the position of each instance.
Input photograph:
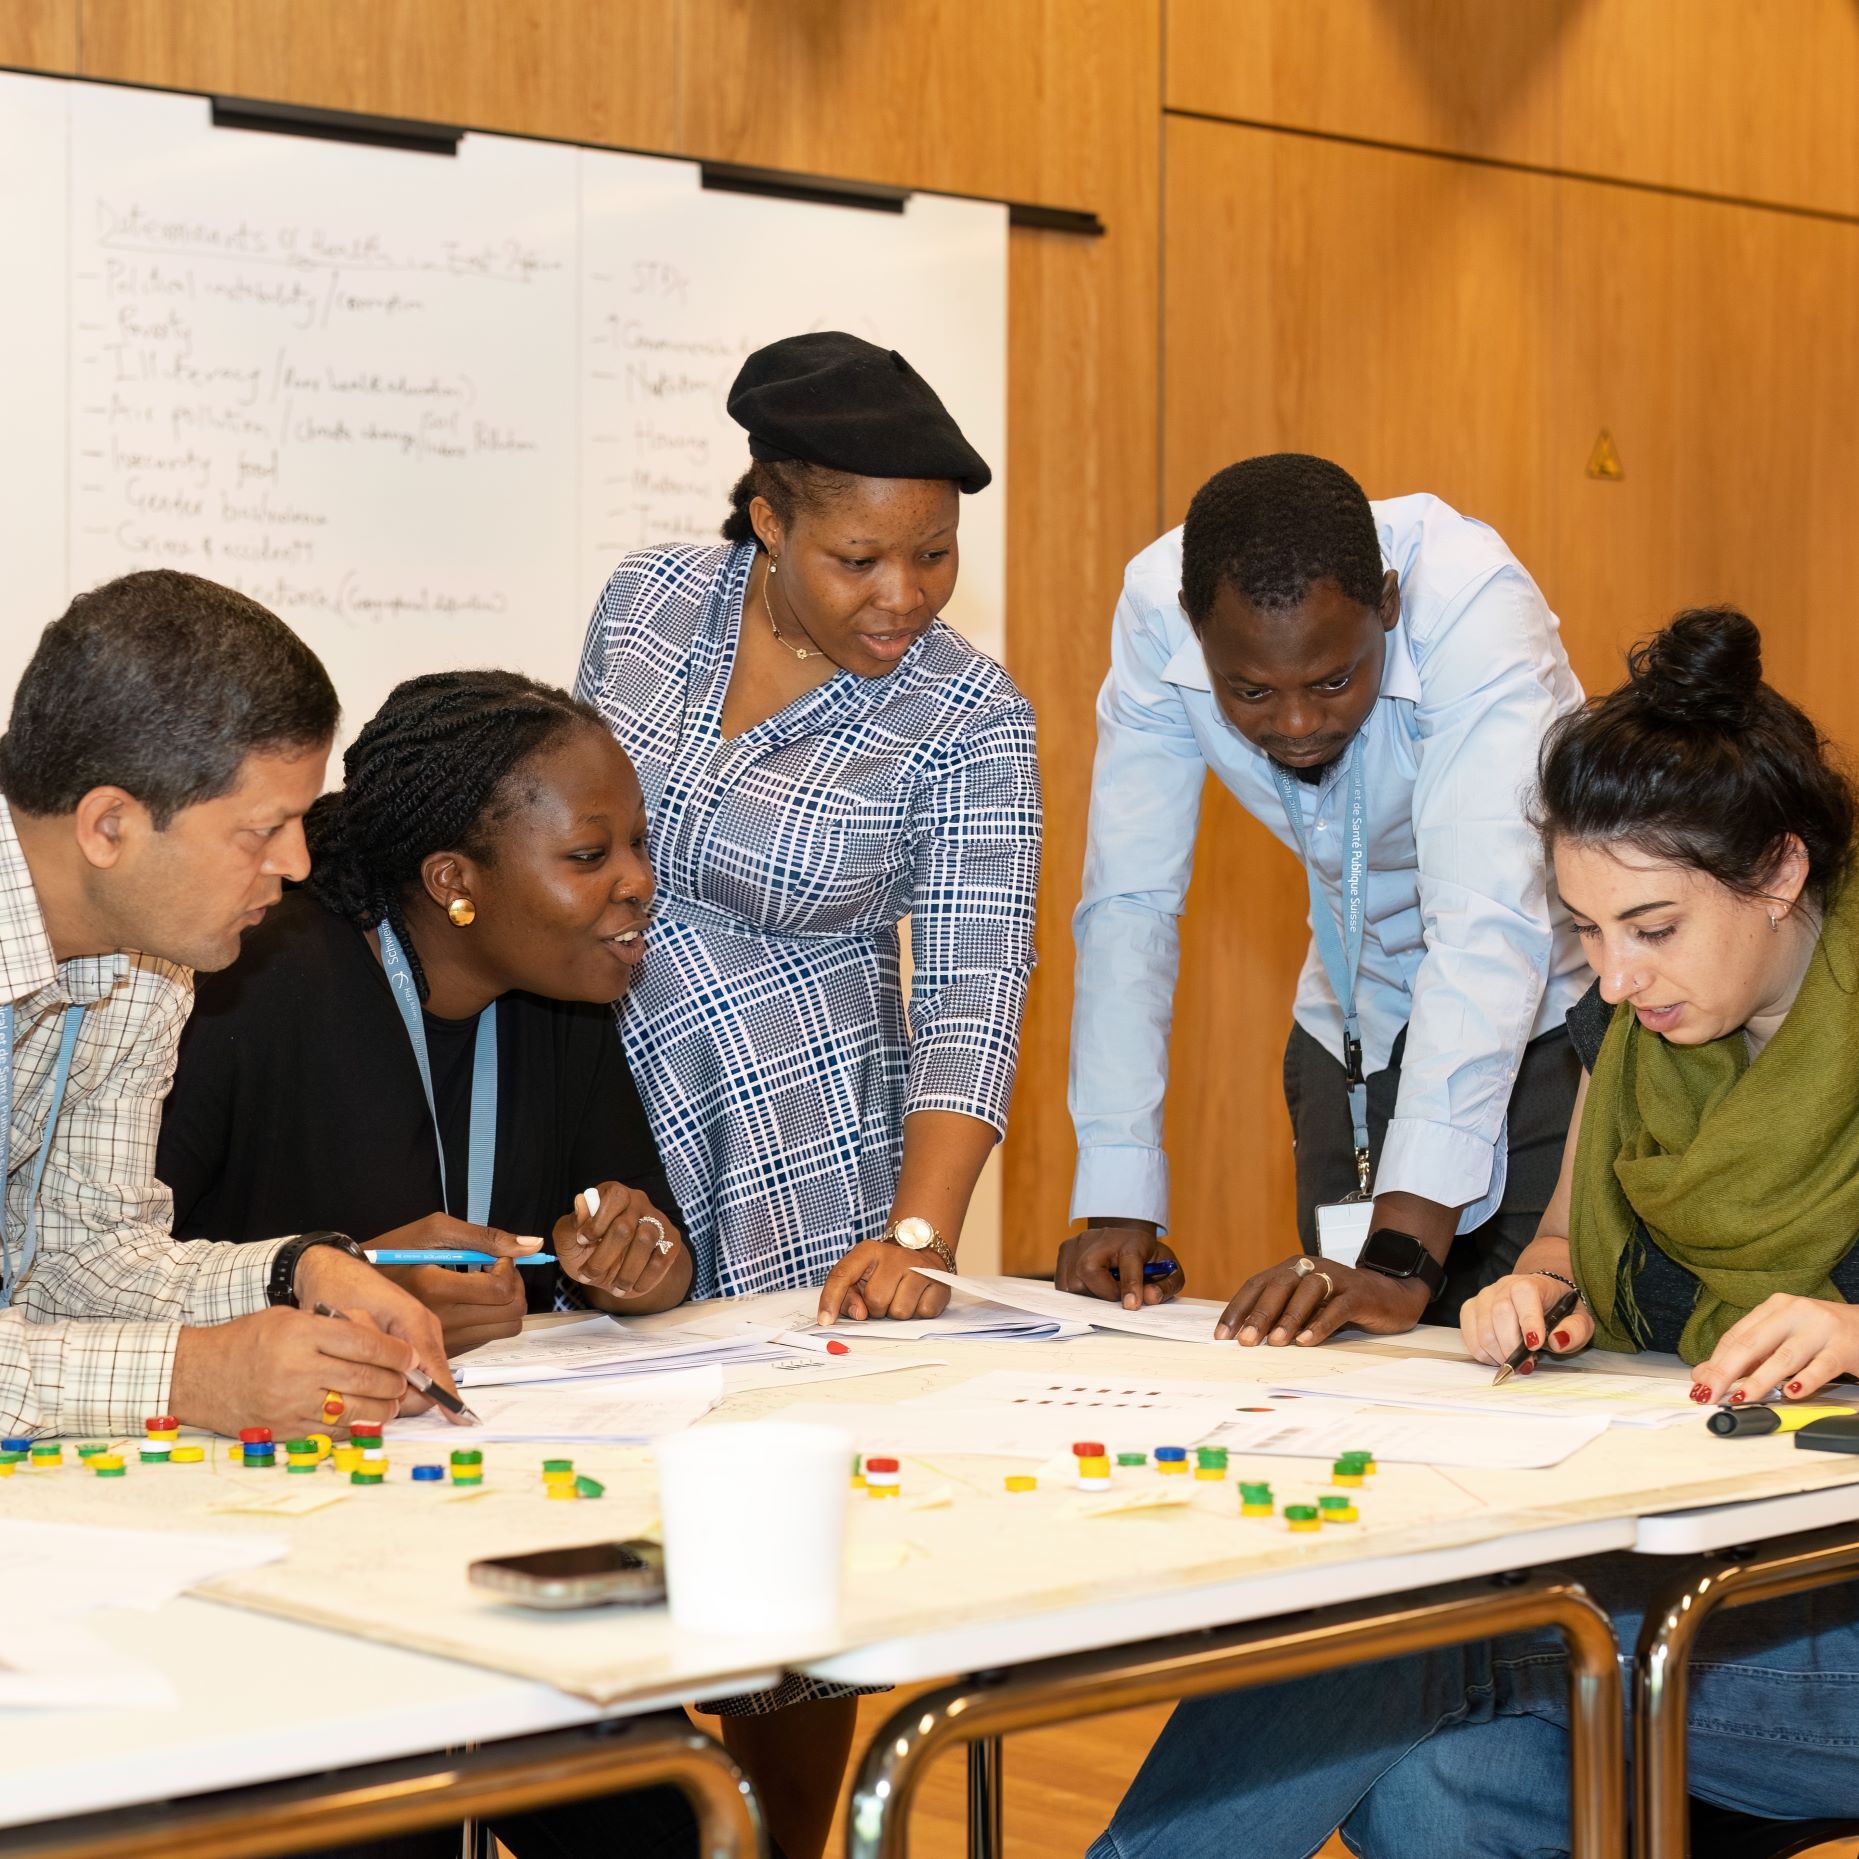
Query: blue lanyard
(61, 1076)
(481, 1155)
(1341, 950)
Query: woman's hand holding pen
(1510, 1314)
(1796, 1344)
(472, 1307)
(620, 1247)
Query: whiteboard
(419, 405)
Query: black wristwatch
(1400, 1255)
(282, 1285)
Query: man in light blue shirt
(1387, 670)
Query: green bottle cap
(590, 1487)
(1132, 1458)
(1334, 1500)
(1300, 1513)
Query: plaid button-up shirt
(88, 1343)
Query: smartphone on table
(589, 1575)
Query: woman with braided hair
(418, 1045)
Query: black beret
(832, 399)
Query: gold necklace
(799, 651)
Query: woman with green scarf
(1708, 1204)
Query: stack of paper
(599, 1348)
(1561, 1391)
(1181, 1320)
(967, 1319)
(628, 1409)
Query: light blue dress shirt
(1467, 945)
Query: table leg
(1662, 1663)
(1121, 1678)
(985, 1798)
(418, 1792)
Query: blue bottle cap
(427, 1474)
(22, 1444)
(1171, 1452)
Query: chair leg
(984, 1798)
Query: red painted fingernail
(1794, 1387)
(1699, 1392)
(1526, 1367)
(1530, 1337)
(1738, 1398)
(1562, 1339)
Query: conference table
(359, 1689)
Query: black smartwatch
(1400, 1255)
(281, 1288)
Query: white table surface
(265, 1698)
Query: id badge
(1342, 1229)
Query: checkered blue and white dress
(767, 1031)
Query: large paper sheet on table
(1567, 1391)
(1184, 1320)
(62, 1569)
(1297, 1428)
(967, 1319)
(601, 1347)
(629, 1410)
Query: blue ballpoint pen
(448, 1255)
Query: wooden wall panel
(39, 35)
(1750, 98)
(581, 69)
(1438, 325)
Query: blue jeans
(1465, 1750)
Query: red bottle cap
(1087, 1449)
(161, 1423)
(881, 1465)
(365, 1429)
(255, 1436)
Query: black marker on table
(417, 1378)
(1558, 1312)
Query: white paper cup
(755, 1526)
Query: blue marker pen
(1156, 1268)
(447, 1255)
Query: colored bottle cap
(323, 1443)
(558, 1465)
(1255, 1493)
(428, 1474)
(8, 1466)
(22, 1444)
(255, 1436)
(1166, 1455)
(589, 1488)
(563, 1491)
(1300, 1513)
(1021, 1481)
(467, 1455)
(1332, 1500)
(883, 1491)
(880, 1465)
(301, 1466)
(91, 1448)
(467, 1478)
(107, 1462)
(47, 1449)
(162, 1423)
(188, 1455)
(359, 1477)
(1210, 1455)
(299, 1445)
(365, 1429)
(108, 1471)
(147, 1457)
(1094, 1468)
(1132, 1458)
(1087, 1449)
(12, 1458)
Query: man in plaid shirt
(164, 744)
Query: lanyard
(1341, 950)
(481, 1152)
(61, 1076)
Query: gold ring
(1329, 1287)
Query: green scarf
(1746, 1174)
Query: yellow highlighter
(1741, 1422)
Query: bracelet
(1557, 1276)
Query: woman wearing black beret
(822, 757)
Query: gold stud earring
(462, 911)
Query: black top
(1666, 1292)
(297, 1102)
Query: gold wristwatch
(917, 1235)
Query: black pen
(1562, 1308)
(418, 1379)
